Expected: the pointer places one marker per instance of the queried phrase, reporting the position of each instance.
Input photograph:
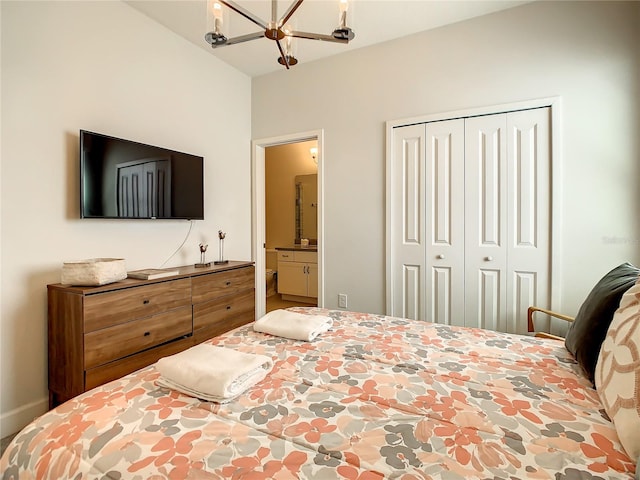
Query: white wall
(588, 53)
(101, 66)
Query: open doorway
(291, 224)
(287, 221)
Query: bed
(375, 397)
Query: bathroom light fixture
(314, 153)
(276, 29)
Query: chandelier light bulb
(217, 17)
(288, 40)
(287, 45)
(344, 8)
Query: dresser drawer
(208, 287)
(108, 344)
(121, 306)
(215, 329)
(217, 316)
(113, 370)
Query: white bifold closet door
(470, 219)
(407, 229)
(445, 212)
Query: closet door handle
(488, 259)
(440, 257)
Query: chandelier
(275, 29)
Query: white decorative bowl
(93, 271)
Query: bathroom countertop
(310, 248)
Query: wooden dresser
(98, 334)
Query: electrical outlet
(342, 300)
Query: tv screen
(125, 179)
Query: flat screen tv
(125, 179)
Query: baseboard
(296, 298)
(16, 419)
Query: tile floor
(275, 301)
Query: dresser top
(186, 271)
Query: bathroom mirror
(307, 207)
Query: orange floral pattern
(376, 397)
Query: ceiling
(373, 21)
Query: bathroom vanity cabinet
(298, 275)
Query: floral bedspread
(376, 397)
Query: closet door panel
(528, 213)
(408, 222)
(445, 221)
(485, 221)
(413, 297)
(489, 309)
(522, 290)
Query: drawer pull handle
(146, 302)
(146, 334)
(228, 283)
(228, 307)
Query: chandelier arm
(244, 38)
(274, 10)
(318, 36)
(245, 13)
(290, 11)
(282, 55)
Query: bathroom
(291, 209)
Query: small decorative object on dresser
(93, 272)
(221, 260)
(152, 273)
(203, 263)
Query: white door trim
(258, 216)
(555, 104)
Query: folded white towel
(296, 326)
(212, 373)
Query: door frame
(554, 104)
(258, 215)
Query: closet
(468, 206)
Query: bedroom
(67, 66)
